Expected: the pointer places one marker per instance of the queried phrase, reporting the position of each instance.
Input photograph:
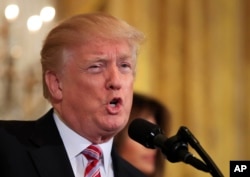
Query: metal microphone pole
(184, 133)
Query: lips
(114, 106)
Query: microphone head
(143, 132)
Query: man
(88, 64)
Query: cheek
(80, 91)
(85, 84)
(129, 88)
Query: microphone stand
(186, 135)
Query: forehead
(103, 47)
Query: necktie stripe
(93, 154)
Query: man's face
(97, 87)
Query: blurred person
(149, 161)
(88, 69)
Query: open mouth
(114, 102)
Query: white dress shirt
(75, 144)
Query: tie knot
(92, 152)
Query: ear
(54, 85)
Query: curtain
(196, 60)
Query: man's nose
(113, 79)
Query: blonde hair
(78, 30)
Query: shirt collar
(75, 144)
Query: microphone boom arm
(175, 149)
(185, 133)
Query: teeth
(114, 102)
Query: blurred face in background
(139, 156)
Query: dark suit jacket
(35, 149)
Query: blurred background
(196, 60)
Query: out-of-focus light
(11, 12)
(47, 13)
(34, 23)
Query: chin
(112, 129)
(116, 123)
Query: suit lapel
(52, 161)
(50, 156)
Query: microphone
(174, 148)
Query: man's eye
(126, 67)
(95, 68)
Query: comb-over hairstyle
(80, 29)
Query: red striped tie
(93, 153)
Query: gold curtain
(197, 61)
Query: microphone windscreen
(143, 132)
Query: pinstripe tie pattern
(93, 153)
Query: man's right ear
(54, 85)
